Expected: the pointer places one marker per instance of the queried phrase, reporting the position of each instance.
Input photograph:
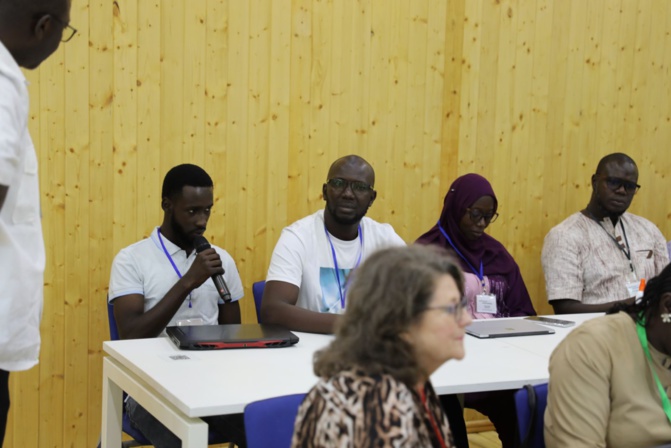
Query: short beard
(345, 221)
(179, 232)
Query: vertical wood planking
(265, 95)
(101, 197)
(77, 286)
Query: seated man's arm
(563, 269)
(571, 306)
(133, 322)
(229, 313)
(279, 307)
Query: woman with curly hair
(405, 317)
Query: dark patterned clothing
(353, 409)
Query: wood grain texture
(266, 94)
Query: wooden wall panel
(266, 94)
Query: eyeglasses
(615, 183)
(68, 31)
(476, 215)
(340, 185)
(456, 310)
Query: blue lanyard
(481, 274)
(174, 266)
(342, 292)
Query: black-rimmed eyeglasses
(476, 215)
(340, 185)
(68, 31)
(615, 183)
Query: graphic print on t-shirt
(328, 281)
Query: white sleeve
(394, 239)
(125, 278)
(286, 264)
(11, 129)
(231, 276)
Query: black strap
(531, 429)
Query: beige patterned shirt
(582, 262)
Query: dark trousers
(499, 406)
(4, 403)
(455, 416)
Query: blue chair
(270, 423)
(257, 292)
(138, 438)
(530, 402)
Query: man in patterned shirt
(599, 256)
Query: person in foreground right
(405, 317)
(610, 378)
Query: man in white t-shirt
(306, 285)
(162, 281)
(30, 31)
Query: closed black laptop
(218, 337)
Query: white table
(178, 387)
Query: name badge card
(485, 303)
(192, 321)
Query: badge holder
(485, 303)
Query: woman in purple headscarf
(493, 282)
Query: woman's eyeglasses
(456, 310)
(476, 215)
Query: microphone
(201, 244)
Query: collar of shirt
(9, 66)
(171, 247)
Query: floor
(487, 439)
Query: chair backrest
(530, 402)
(257, 292)
(270, 423)
(114, 331)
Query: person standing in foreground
(600, 255)
(30, 31)
(407, 304)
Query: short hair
(617, 157)
(351, 159)
(649, 304)
(184, 175)
(388, 293)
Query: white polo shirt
(144, 268)
(22, 255)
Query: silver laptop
(503, 328)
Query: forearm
(569, 306)
(151, 323)
(299, 319)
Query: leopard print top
(353, 409)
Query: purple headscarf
(495, 258)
